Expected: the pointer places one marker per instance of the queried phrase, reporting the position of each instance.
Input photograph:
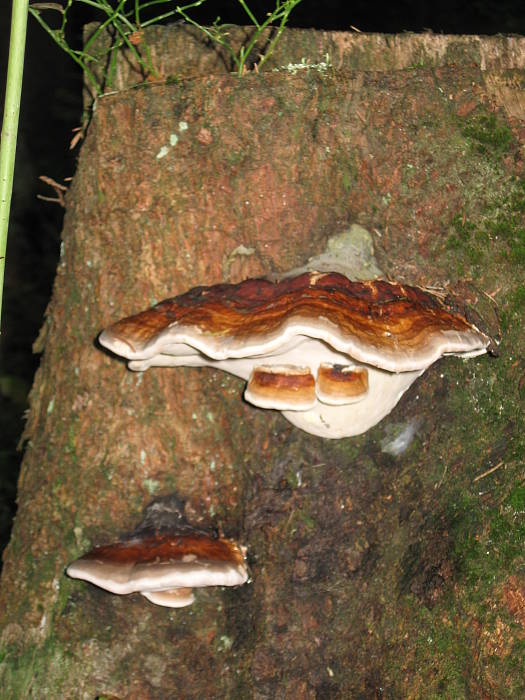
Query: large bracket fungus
(164, 558)
(335, 356)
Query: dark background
(51, 109)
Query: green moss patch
(489, 135)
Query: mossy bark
(375, 573)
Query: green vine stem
(126, 24)
(13, 92)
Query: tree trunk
(377, 571)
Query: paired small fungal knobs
(335, 356)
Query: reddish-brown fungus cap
(163, 562)
(388, 325)
(283, 387)
(338, 384)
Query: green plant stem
(250, 14)
(78, 56)
(282, 12)
(280, 30)
(13, 92)
(124, 22)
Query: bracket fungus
(335, 356)
(163, 562)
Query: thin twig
(491, 295)
(78, 132)
(49, 181)
(489, 471)
(59, 190)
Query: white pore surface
(174, 598)
(384, 391)
(329, 421)
(390, 371)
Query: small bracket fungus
(163, 561)
(335, 356)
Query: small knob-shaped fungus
(163, 563)
(335, 356)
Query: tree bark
(375, 572)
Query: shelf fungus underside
(335, 356)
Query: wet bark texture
(378, 571)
